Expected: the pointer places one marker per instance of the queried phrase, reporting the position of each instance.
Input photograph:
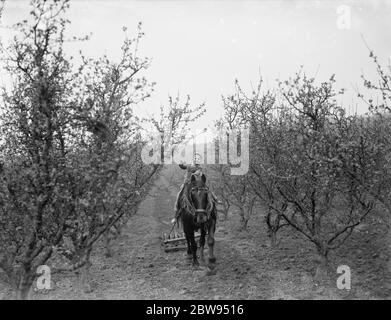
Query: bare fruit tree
(301, 146)
(172, 124)
(34, 176)
(377, 95)
(71, 164)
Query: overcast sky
(200, 47)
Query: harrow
(176, 241)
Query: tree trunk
(273, 225)
(23, 292)
(24, 285)
(273, 238)
(226, 211)
(323, 267)
(243, 219)
(86, 278)
(244, 223)
(85, 275)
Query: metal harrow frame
(176, 241)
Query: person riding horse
(194, 168)
(196, 206)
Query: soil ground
(247, 267)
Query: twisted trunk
(24, 283)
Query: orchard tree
(109, 175)
(267, 143)
(301, 146)
(325, 204)
(377, 128)
(234, 190)
(172, 124)
(34, 194)
(70, 147)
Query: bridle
(206, 189)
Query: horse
(199, 212)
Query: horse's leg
(188, 245)
(202, 243)
(193, 248)
(211, 240)
(187, 231)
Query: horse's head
(199, 197)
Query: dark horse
(199, 212)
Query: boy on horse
(194, 168)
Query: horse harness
(188, 205)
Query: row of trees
(316, 169)
(70, 146)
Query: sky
(200, 47)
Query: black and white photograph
(206, 151)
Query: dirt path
(247, 268)
(154, 274)
(140, 269)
